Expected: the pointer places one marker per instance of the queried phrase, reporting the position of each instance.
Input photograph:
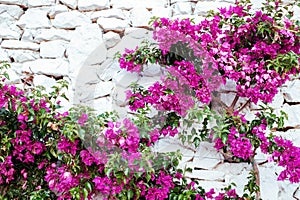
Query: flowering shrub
(46, 154)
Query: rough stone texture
(20, 56)
(112, 24)
(70, 3)
(90, 49)
(22, 3)
(51, 67)
(56, 10)
(8, 27)
(45, 81)
(16, 44)
(293, 114)
(183, 8)
(86, 5)
(35, 18)
(161, 12)
(35, 3)
(53, 34)
(110, 13)
(111, 39)
(291, 91)
(69, 20)
(140, 17)
(12, 10)
(53, 49)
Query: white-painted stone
(53, 49)
(207, 156)
(102, 89)
(44, 81)
(138, 33)
(292, 134)
(70, 20)
(268, 183)
(291, 91)
(70, 3)
(119, 96)
(162, 12)
(126, 42)
(35, 3)
(152, 70)
(16, 44)
(293, 115)
(233, 168)
(35, 18)
(51, 67)
(110, 13)
(9, 31)
(101, 105)
(171, 144)
(53, 34)
(3, 55)
(203, 6)
(240, 180)
(109, 24)
(86, 5)
(111, 39)
(140, 17)
(108, 70)
(21, 56)
(86, 48)
(124, 78)
(183, 8)
(148, 81)
(28, 35)
(12, 10)
(14, 78)
(127, 5)
(123, 4)
(58, 8)
(22, 3)
(278, 100)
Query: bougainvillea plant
(77, 154)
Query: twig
(255, 168)
(244, 106)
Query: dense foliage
(77, 154)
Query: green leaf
(130, 194)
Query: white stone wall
(77, 39)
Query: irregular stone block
(53, 49)
(124, 78)
(16, 44)
(45, 81)
(140, 17)
(12, 10)
(70, 3)
(183, 8)
(112, 24)
(58, 8)
(291, 91)
(110, 13)
(21, 56)
(293, 115)
(35, 3)
(53, 34)
(35, 18)
(22, 3)
(50, 67)
(203, 6)
(207, 157)
(86, 5)
(111, 39)
(70, 20)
